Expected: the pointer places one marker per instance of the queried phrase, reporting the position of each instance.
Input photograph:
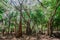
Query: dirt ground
(31, 37)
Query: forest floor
(26, 37)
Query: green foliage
(1, 8)
(38, 14)
(0, 17)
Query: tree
(50, 30)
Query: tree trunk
(50, 28)
(28, 29)
(19, 33)
(15, 26)
(9, 26)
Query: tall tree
(49, 25)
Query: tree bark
(49, 25)
(9, 25)
(19, 33)
(28, 29)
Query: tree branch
(15, 6)
(41, 4)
